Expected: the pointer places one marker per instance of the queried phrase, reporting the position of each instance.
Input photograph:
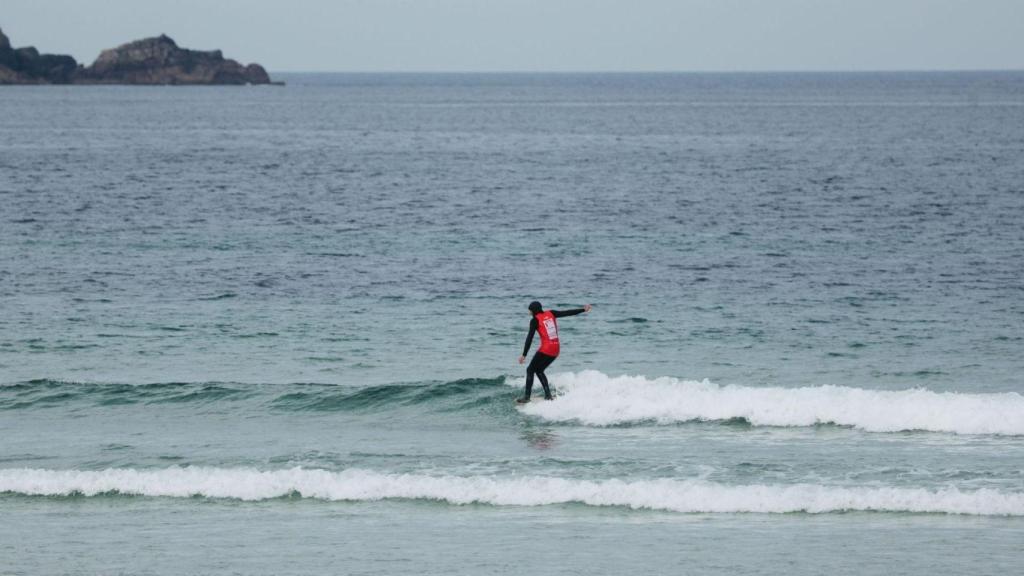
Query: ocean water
(274, 330)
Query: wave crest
(593, 398)
(46, 393)
(688, 496)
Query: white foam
(593, 398)
(365, 485)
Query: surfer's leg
(529, 381)
(536, 364)
(543, 361)
(544, 383)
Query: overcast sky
(544, 35)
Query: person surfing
(543, 322)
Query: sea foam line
(596, 399)
(688, 496)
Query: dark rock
(256, 74)
(28, 66)
(160, 61)
(54, 68)
(156, 60)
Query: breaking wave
(589, 398)
(687, 496)
(595, 399)
(300, 397)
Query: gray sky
(544, 35)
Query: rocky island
(156, 60)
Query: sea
(275, 330)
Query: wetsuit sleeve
(573, 312)
(529, 337)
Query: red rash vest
(548, 329)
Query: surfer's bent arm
(573, 312)
(529, 337)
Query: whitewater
(593, 398)
(691, 496)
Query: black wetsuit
(541, 361)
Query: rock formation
(28, 66)
(149, 61)
(160, 61)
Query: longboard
(534, 401)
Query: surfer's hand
(522, 359)
(586, 307)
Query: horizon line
(737, 71)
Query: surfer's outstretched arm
(573, 312)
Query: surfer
(544, 323)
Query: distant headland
(156, 60)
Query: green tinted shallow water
(300, 537)
(274, 331)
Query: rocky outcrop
(160, 61)
(28, 66)
(156, 60)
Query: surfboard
(534, 401)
